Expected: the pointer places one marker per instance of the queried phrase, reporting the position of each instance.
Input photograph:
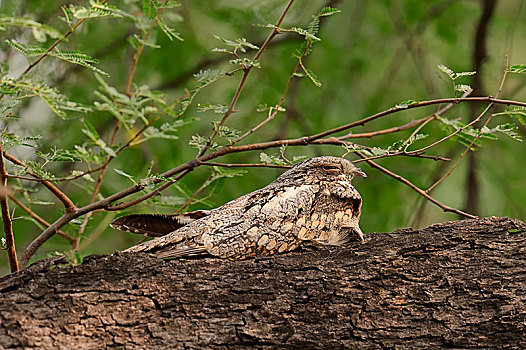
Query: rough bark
(458, 284)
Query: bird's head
(326, 168)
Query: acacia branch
(150, 194)
(246, 165)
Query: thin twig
(367, 135)
(246, 72)
(137, 55)
(68, 204)
(6, 218)
(416, 188)
(40, 220)
(194, 195)
(96, 190)
(395, 154)
(274, 111)
(148, 195)
(491, 106)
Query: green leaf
(170, 32)
(88, 155)
(272, 159)
(90, 131)
(509, 130)
(219, 108)
(68, 16)
(38, 169)
(328, 11)
(517, 68)
(78, 57)
(9, 140)
(26, 50)
(146, 43)
(97, 9)
(6, 106)
(226, 132)
(517, 112)
(312, 76)
(167, 4)
(149, 9)
(208, 76)
(198, 141)
(238, 44)
(303, 32)
(463, 88)
(405, 104)
(245, 62)
(122, 173)
(59, 155)
(39, 30)
(453, 75)
(377, 151)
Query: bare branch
(39, 219)
(416, 188)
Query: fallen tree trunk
(458, 284)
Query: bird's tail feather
(182, 252)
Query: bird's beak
(359, 172)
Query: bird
(314, 201)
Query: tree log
(459, 284)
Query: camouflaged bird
(313, 201)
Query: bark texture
(458, 284)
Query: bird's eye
(331, 167)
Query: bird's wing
(261, 222)
(156, 225)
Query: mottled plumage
(312, 201)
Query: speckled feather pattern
(312, 201)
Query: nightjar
(312, 201)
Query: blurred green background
(373, 55)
